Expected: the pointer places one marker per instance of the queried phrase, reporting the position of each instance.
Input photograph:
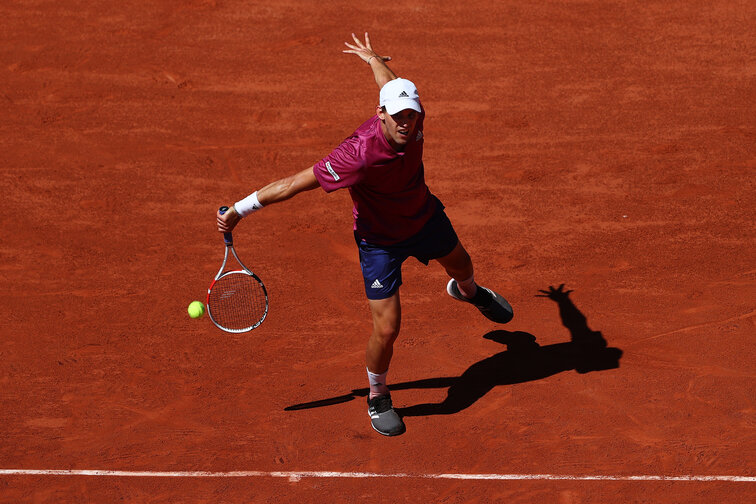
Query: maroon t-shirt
(391, 200)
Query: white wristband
(248, 205)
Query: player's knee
(386, 334)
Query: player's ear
(380, 112)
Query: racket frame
(229, 240)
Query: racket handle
(227, 237)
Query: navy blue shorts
(382, 264)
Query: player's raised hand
(364, 51)
(228, 220)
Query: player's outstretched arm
(277, 191)
(381, 71)
(287, 187)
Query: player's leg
(458, 265)
(387, 316)
(382, 274)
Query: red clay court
(607, 146)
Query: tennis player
(395, 217)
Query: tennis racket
(237, 301)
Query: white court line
(297, 475)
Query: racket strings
(237, 301)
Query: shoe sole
(388, 434)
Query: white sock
(468, 288)
(378, 385)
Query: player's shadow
(523, 360)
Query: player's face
(398, 127)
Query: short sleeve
(343, 167)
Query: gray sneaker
(383, 417)
(491, 305)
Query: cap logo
(403, 94)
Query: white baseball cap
(400, 94)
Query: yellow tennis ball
(196, 309)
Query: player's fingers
(357, 41)
(367, 41)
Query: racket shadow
(524, 360)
